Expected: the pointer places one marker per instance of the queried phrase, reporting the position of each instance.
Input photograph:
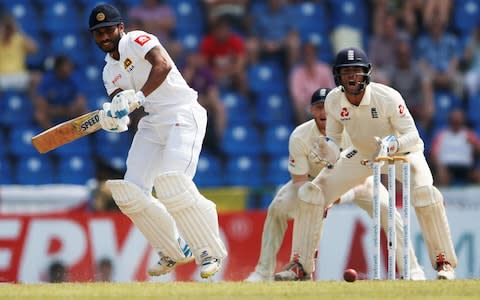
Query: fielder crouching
(165, 150)
(310, 152)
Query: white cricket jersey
(381, 112)
(132, 70)
(301, 141)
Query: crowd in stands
(255, 64)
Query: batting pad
(434, 223)
(307, 231)
(195, 216)
(363, 198)
(150, 217)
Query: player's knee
(176, 190)
(311, 193)
(364, 191)
(128, 196)
(276, 207)
(426, 195)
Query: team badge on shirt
(291, 161)
(344, 114)
(374, 112)
(401, 110)
(127, 64)
(142, 39)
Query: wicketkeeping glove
(391, 144)
(112, 124)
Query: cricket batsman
(366, 110)
(310, 152)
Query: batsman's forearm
(407, 141)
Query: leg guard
(150, 217)
(308, 224)
(363, 198)
(196, 217)
(274, 229)
(431, 215)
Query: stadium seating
(15, 109)
(266, 77)
(241, 139)
(276, 139)
(273, 108)
(5, 170)
(25, 13)
(3, 149)
(244, 170)
(465, 16)
(20, 140)
(472, 113)
(209, 172)
(59, 16)
(277, 170)
(444, 103)
(68, 42)
(75, 169)
(34, 169)
(236, 107)
(81, 146)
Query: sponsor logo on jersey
(401, 109)
(374, 112)
(351, 153)
(116, 78)
(127, 64)
(344, 114)
(142, 39)
(291, 161)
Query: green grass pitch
(365, 289)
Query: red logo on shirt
(344, 113)
(401, 109)
(142, 39)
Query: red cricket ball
(350, 275)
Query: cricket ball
(350, 275)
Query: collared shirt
(300, 144)
(381, 112)
(131, 71)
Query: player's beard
(112, 44)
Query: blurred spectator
(104, 270)
(382, 44)
(411, 17)
(438, 54)
(158, 18)
(199, 76)
(471, 59)
(15, 46)
(454, 150)
(405, 76)
(273, 34)
(234, 10)
(225, 53)
(57, 272)
(437, 10)
(305, 78)
(58, 97)
(102, 198)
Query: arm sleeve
(297, 160)
(334, 129)
(142, 42)
(404, 124)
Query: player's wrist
(140, 97)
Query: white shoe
(258, 277)
(293, 271)
(166, 264)
(417, 274)
(209, 267)
(444, 269)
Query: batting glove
(122, 101)
(390, 142)
(112, 124)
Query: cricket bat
(70, 130)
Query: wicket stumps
(391, 232)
